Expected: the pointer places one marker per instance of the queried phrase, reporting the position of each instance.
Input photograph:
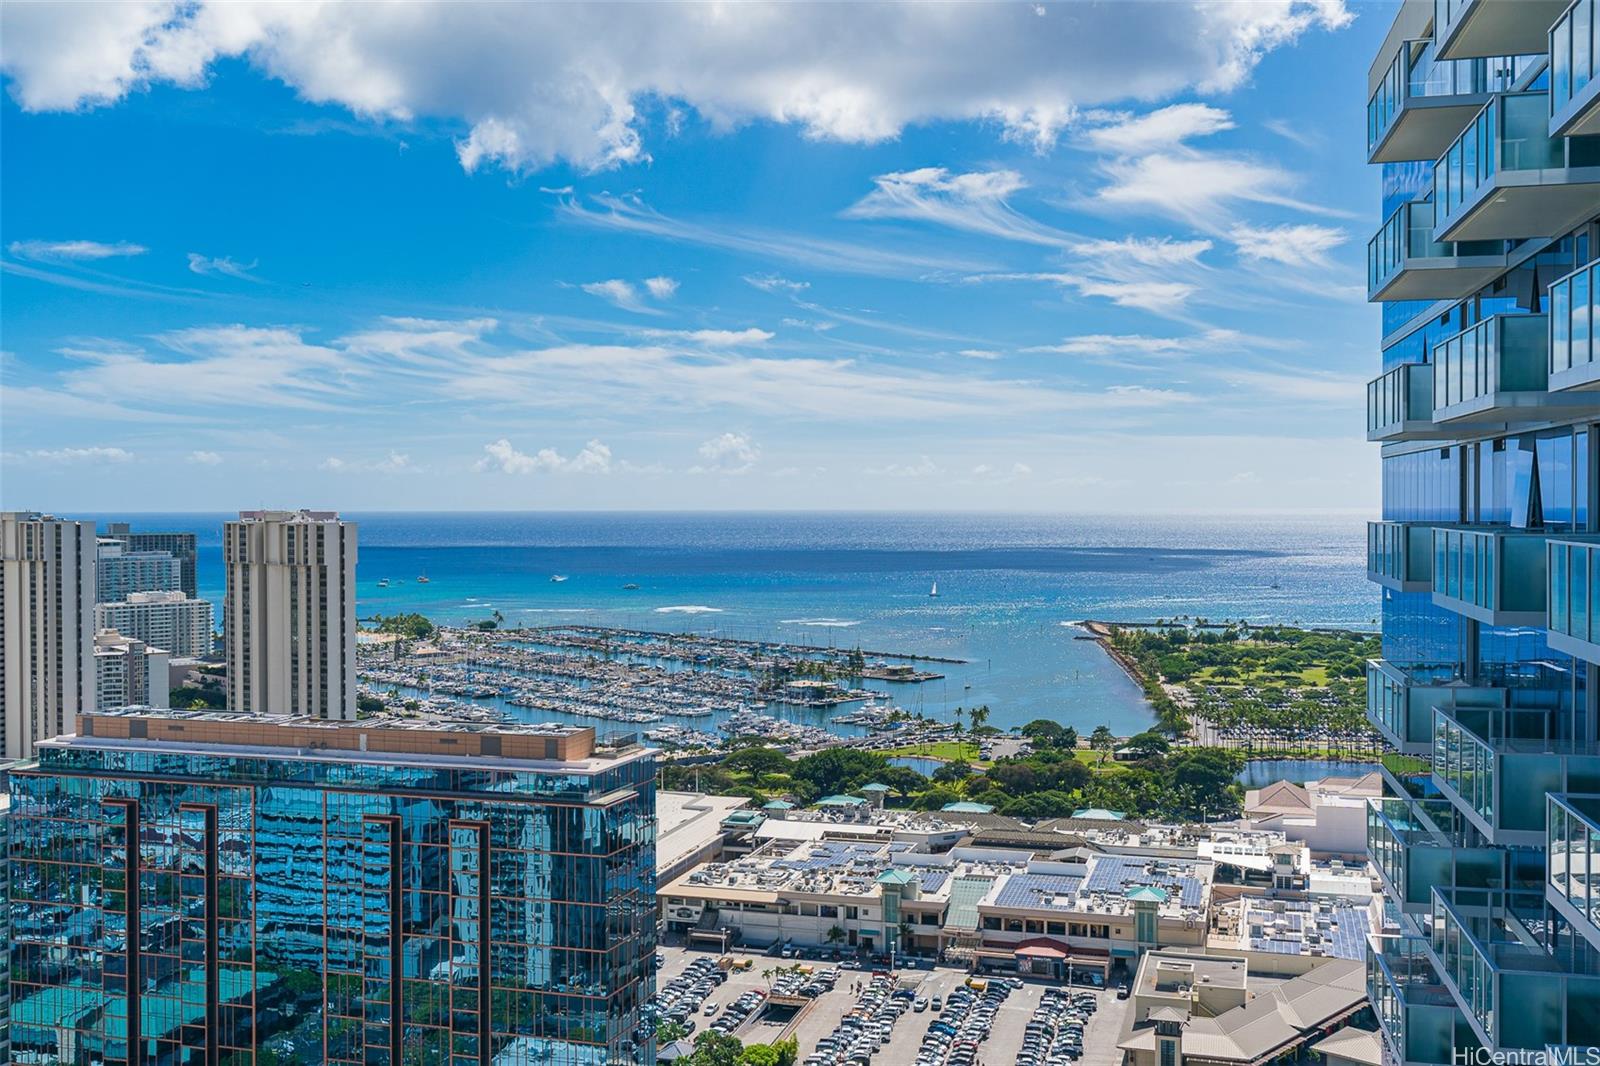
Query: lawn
(948, 750)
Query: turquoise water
(1258, 773)
(1009, 585)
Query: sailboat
(934, 592)
(423, 579)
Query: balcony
(1404, 262)
(1499, 371)
(1468, 28)
(1414, 1009)
(1494, 576)
(1572, 593)
(1575, 71)
(1495, 766)
(1423, 103)
(1400, 555)
(1400, 405)
(1505, 177)
(1419, 845)
(1400, 702)
(1515, 994)
(1572, 885)
(1574, 324)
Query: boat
(934, 592)
(423, 579)
(383, 583)
(630, 585)
(558, 577)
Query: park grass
(1092, 760)
(948, 750)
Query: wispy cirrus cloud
(1130, 134)
(73, 251)
(222, 265)
(1297, 245)
(975, 202)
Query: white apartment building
(169, 620)
(119, 570)
(289, 618)
(46, 639)
(129, 672)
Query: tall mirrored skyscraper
(1485, 118)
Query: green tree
(714, 1049)
(759, 1055)
(1102, 741)
(838, 770)
(980, 716)
(952, 772)
(903, 780)
(835, 934)
(1149, 744)
(1044, 733)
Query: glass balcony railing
(1413, 1007)
(1466, 28)
(1517, 994)
(1506, 177)
(1400, 701)
(1400, 404)
(1572, 842)
(1404, 262)
(1496, 764)
(1400, 555)
(1574, 324)
(1474, 369)
(1495, 576)
(1573, 596)
(1423, 102)
(1419, 845)
(1575, 71)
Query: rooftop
(426, 738)
(687, 822)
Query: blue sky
(1073, 257)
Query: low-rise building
(1201, 1009)
(1329, 816)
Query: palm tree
(980, 716)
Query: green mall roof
(874, 786)
(968, 807)
(896, 877)
(1099, 814)
(840, 801)
(777, 805)
(1147, 892)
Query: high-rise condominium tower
(289, 618)
(1485, 116)
(46, 628)
(181, 546)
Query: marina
(692, 689)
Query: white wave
(689, 608)
(830, 623)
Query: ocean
(1010, 586)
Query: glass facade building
(198, 887)
(1486, 404)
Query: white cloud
(393, 463)
(1303, 245)
(729, 453)
(99, 456)
(923, 467)
(1159, 297)
(979, 353)
(714, 338)
(540, 82)
(205, 458)
(774, 283)
(213, 265)
(1162, 252)
(1139, 344)
(64, 251)
(661, 288)
(974, 202)
(1138, 134)
(1197, 187)
(594, 458)
(620, 293)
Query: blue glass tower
(1485, 116)
(199, 887)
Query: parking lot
(995, 1032)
